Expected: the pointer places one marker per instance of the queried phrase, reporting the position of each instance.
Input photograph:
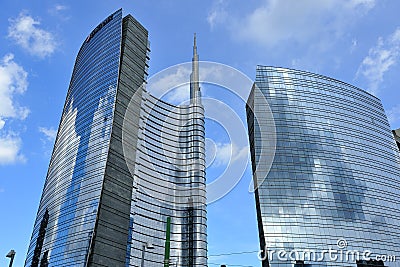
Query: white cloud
(368, 4)
(354, 44)
(172, 84)
(380, 59)
(277, 21)
(179, 95)
(25, 31)
(50, 133)
(223, 154)
(295, 62)
(10, 146)
(217, 14)
(229, 153)
(13, 81)
(59, 7)
(393, 114)
(59, 10)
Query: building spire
(194, 76)
(194, 46)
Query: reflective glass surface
(73, 184)
(335, 174)
(89, 182)
(169, 182)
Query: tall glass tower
(126, 180)
(396, 134)
(333, 181)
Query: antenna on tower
(194, 76)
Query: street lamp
(11, 255)
(148, 246)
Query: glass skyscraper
(326, 172)
(126, 180)
(396, 134)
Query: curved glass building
(126, 180)
(396, 134)
(330, 196)
(169, 181)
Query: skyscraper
(396, 134)
(332, 179)
(126, 180)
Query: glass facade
(72, 189)
(170, 182)
(123, 165)
(396, 134)
(334, 180)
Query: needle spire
(194, 76)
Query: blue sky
(356, 41)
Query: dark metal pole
(11, 255)
(143, 250)
(11, 261)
